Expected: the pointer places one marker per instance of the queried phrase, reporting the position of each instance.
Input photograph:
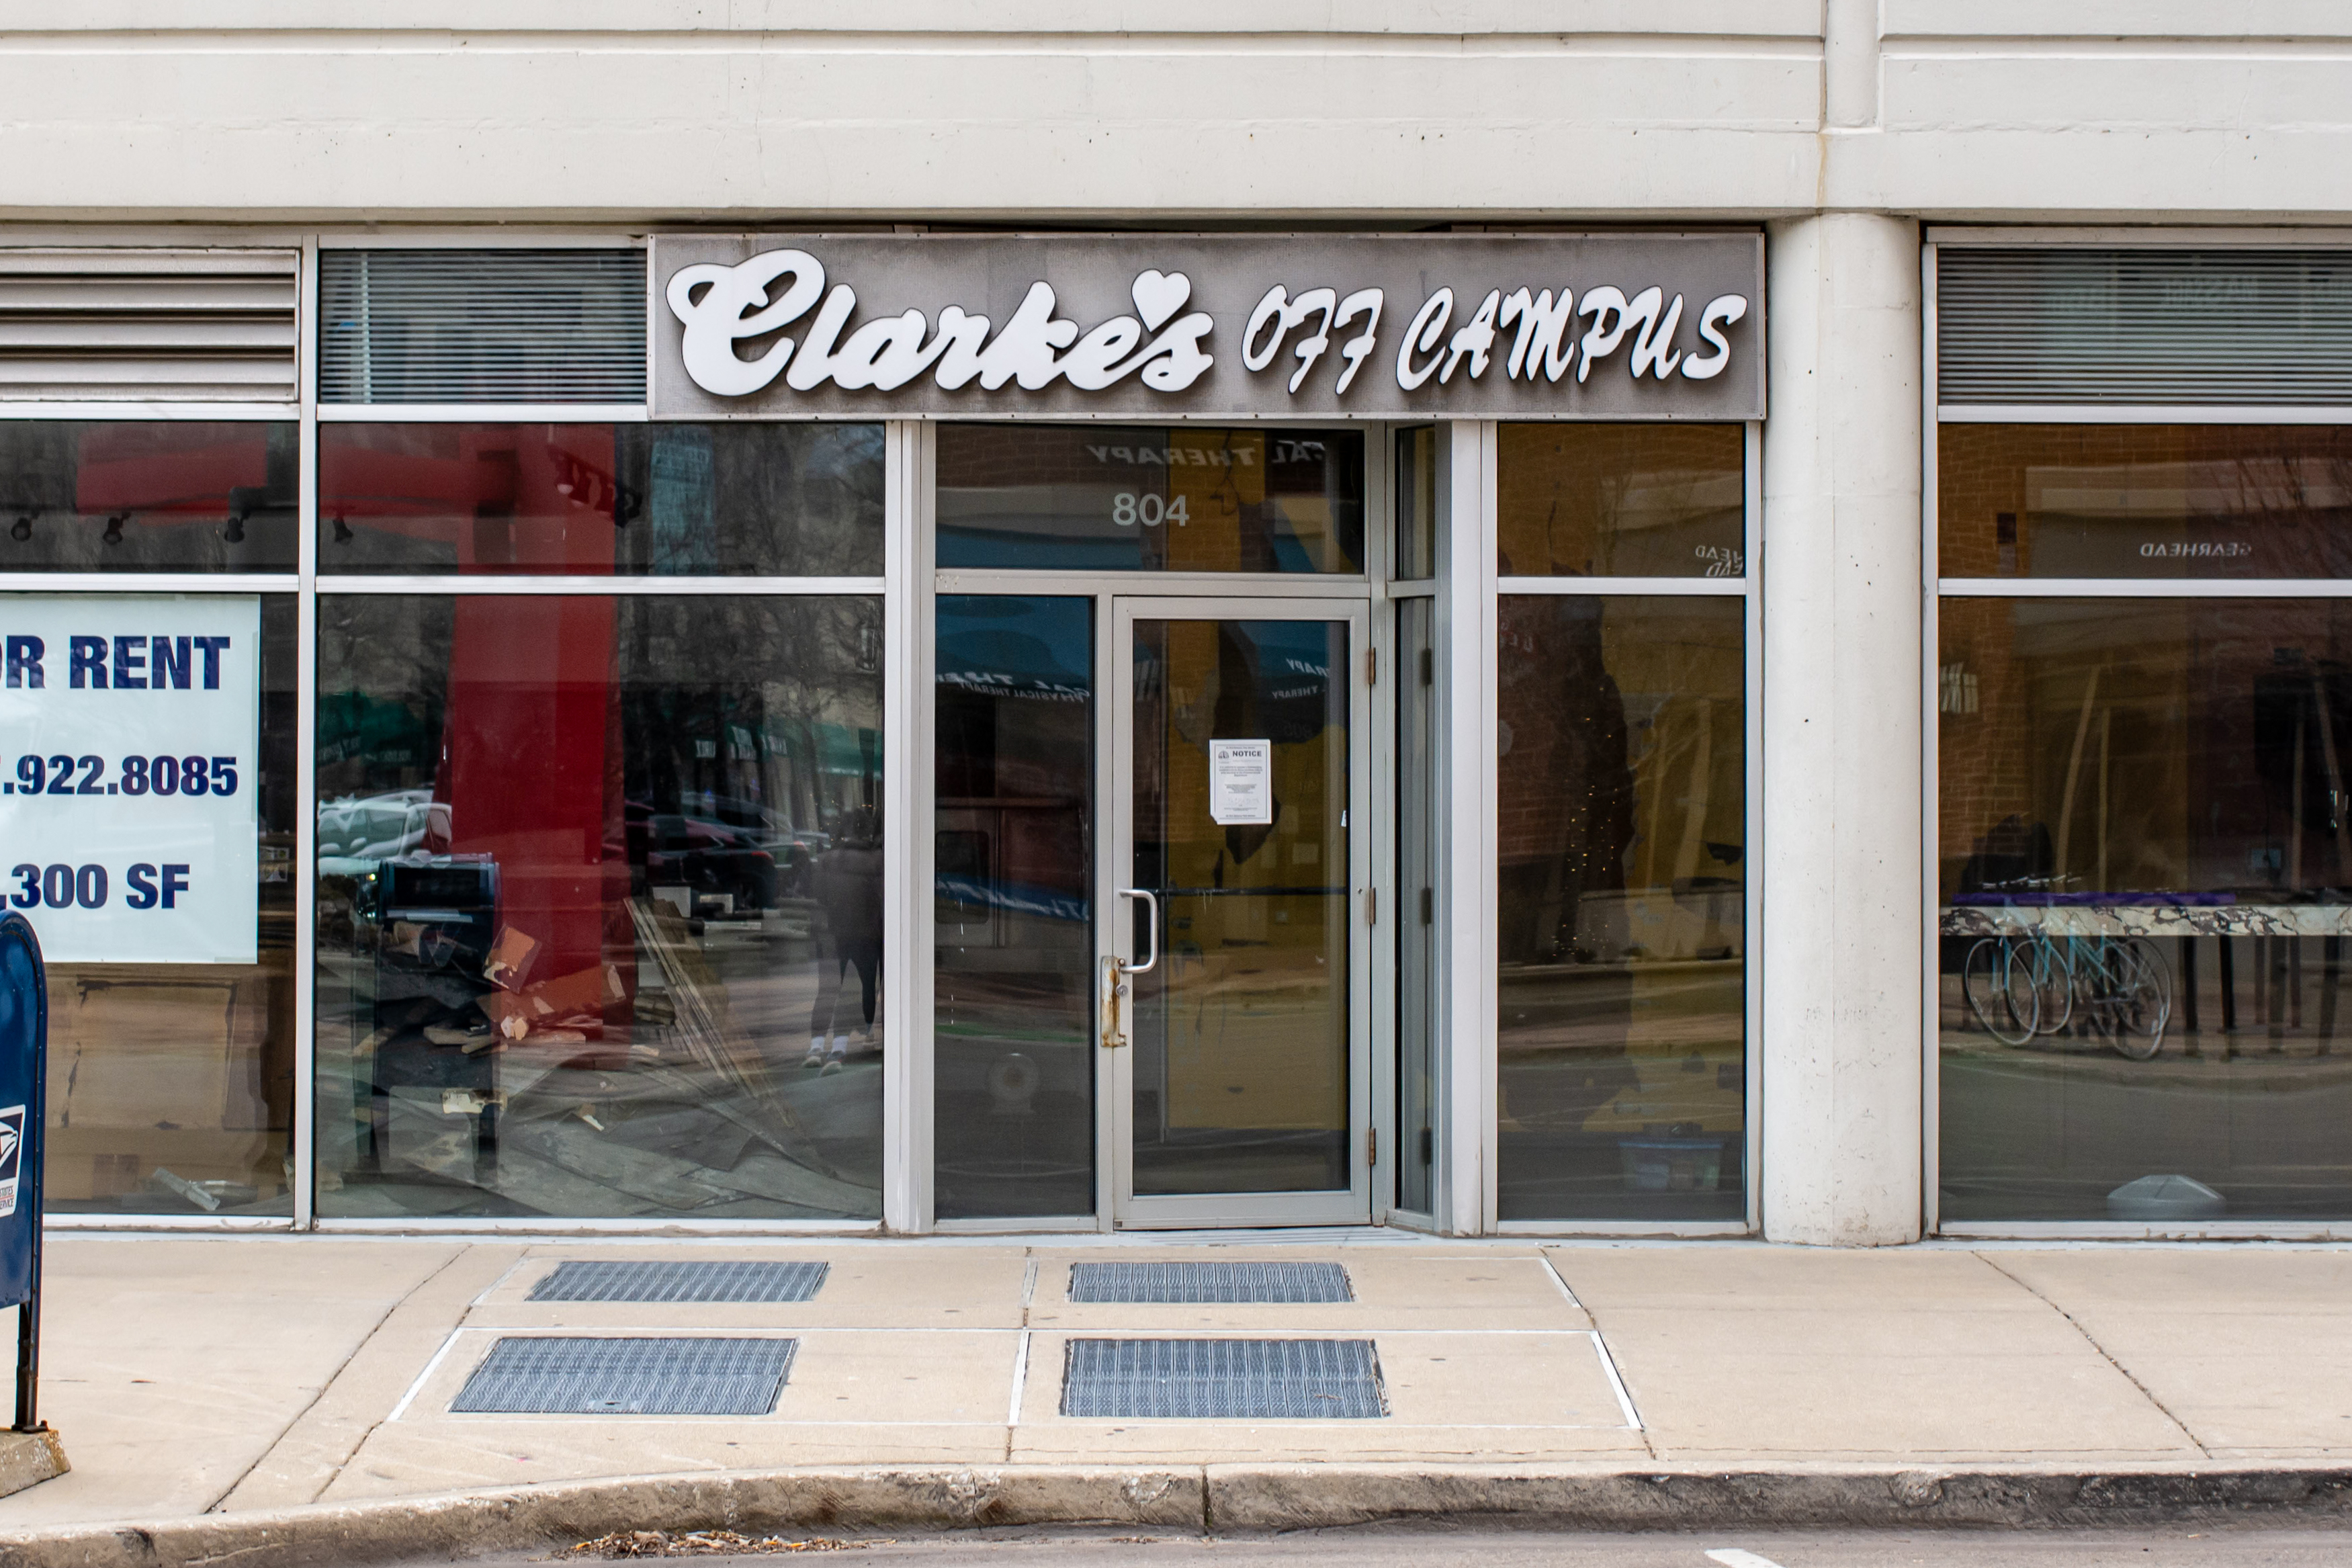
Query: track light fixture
(342, 530)
(22, 529)
(113, 534)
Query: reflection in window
(600, 907)
(2146, 878)
(1621, 501)
(1013, 1009)
(628, 500)
(1122, 499)
(1416, 503)
(2185, 502)
(172, 1085)
(1241, 1068)
(127, 496)
(1621, 924)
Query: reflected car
(383, 826)
(710, 857)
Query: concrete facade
(1843, 125)
(2090, 111)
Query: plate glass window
(1013, 1009)
(172, 1085)
(599, 905)
(1621, 501)
(1127, 498)
(2183, 504)
(622, 500)
(109, 495)
(1622, 931)
(2145, 865)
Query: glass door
(1234, 983)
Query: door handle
(1117, 993)
(1151, 903)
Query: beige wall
(1477, 109)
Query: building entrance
(1233, 1024)
(1152, 978)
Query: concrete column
(1840, 562)
(1850, 64)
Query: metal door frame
(1115, 862)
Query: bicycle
(1997, 978)
(2123, 990)
(2119, 985)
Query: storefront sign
(128, 730)
(1388, 326)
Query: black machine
(433, 923)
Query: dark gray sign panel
(1652, 326)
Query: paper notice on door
(1241, 783)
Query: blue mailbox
(24, 1081)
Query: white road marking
(1625, 1400)
(1020, 1379)
(1553, 1269)
(431, 1367)
(1733, 1557)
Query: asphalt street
(1421, 1547)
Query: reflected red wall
(532, 771)
(512, 498)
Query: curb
(28, 1459)
(1220, 1499)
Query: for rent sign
(129, 729)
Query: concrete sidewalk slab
(2245, 1347)
(898, 1288)
(236, 1374)
(172, 1366)
(317, 1444)
(1509, 1396)
(1435, 1287)
(877, 1396)
(1930, 1355)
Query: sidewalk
(236, 1374)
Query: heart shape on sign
(1160, 295)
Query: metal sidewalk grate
(675, 1280)
(1233, 1380)
(1209, 1283)
(550, 1375)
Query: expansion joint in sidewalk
(2092, 1341)
(328, 1382)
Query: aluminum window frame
(299, 1134)
(1935, 588)
(306, 583)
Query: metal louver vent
(482, 326)
(576, 1375)
(1232, 1380)
(147, 326)
(1201, 1283)
(690, 1280)
(2126, 326)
